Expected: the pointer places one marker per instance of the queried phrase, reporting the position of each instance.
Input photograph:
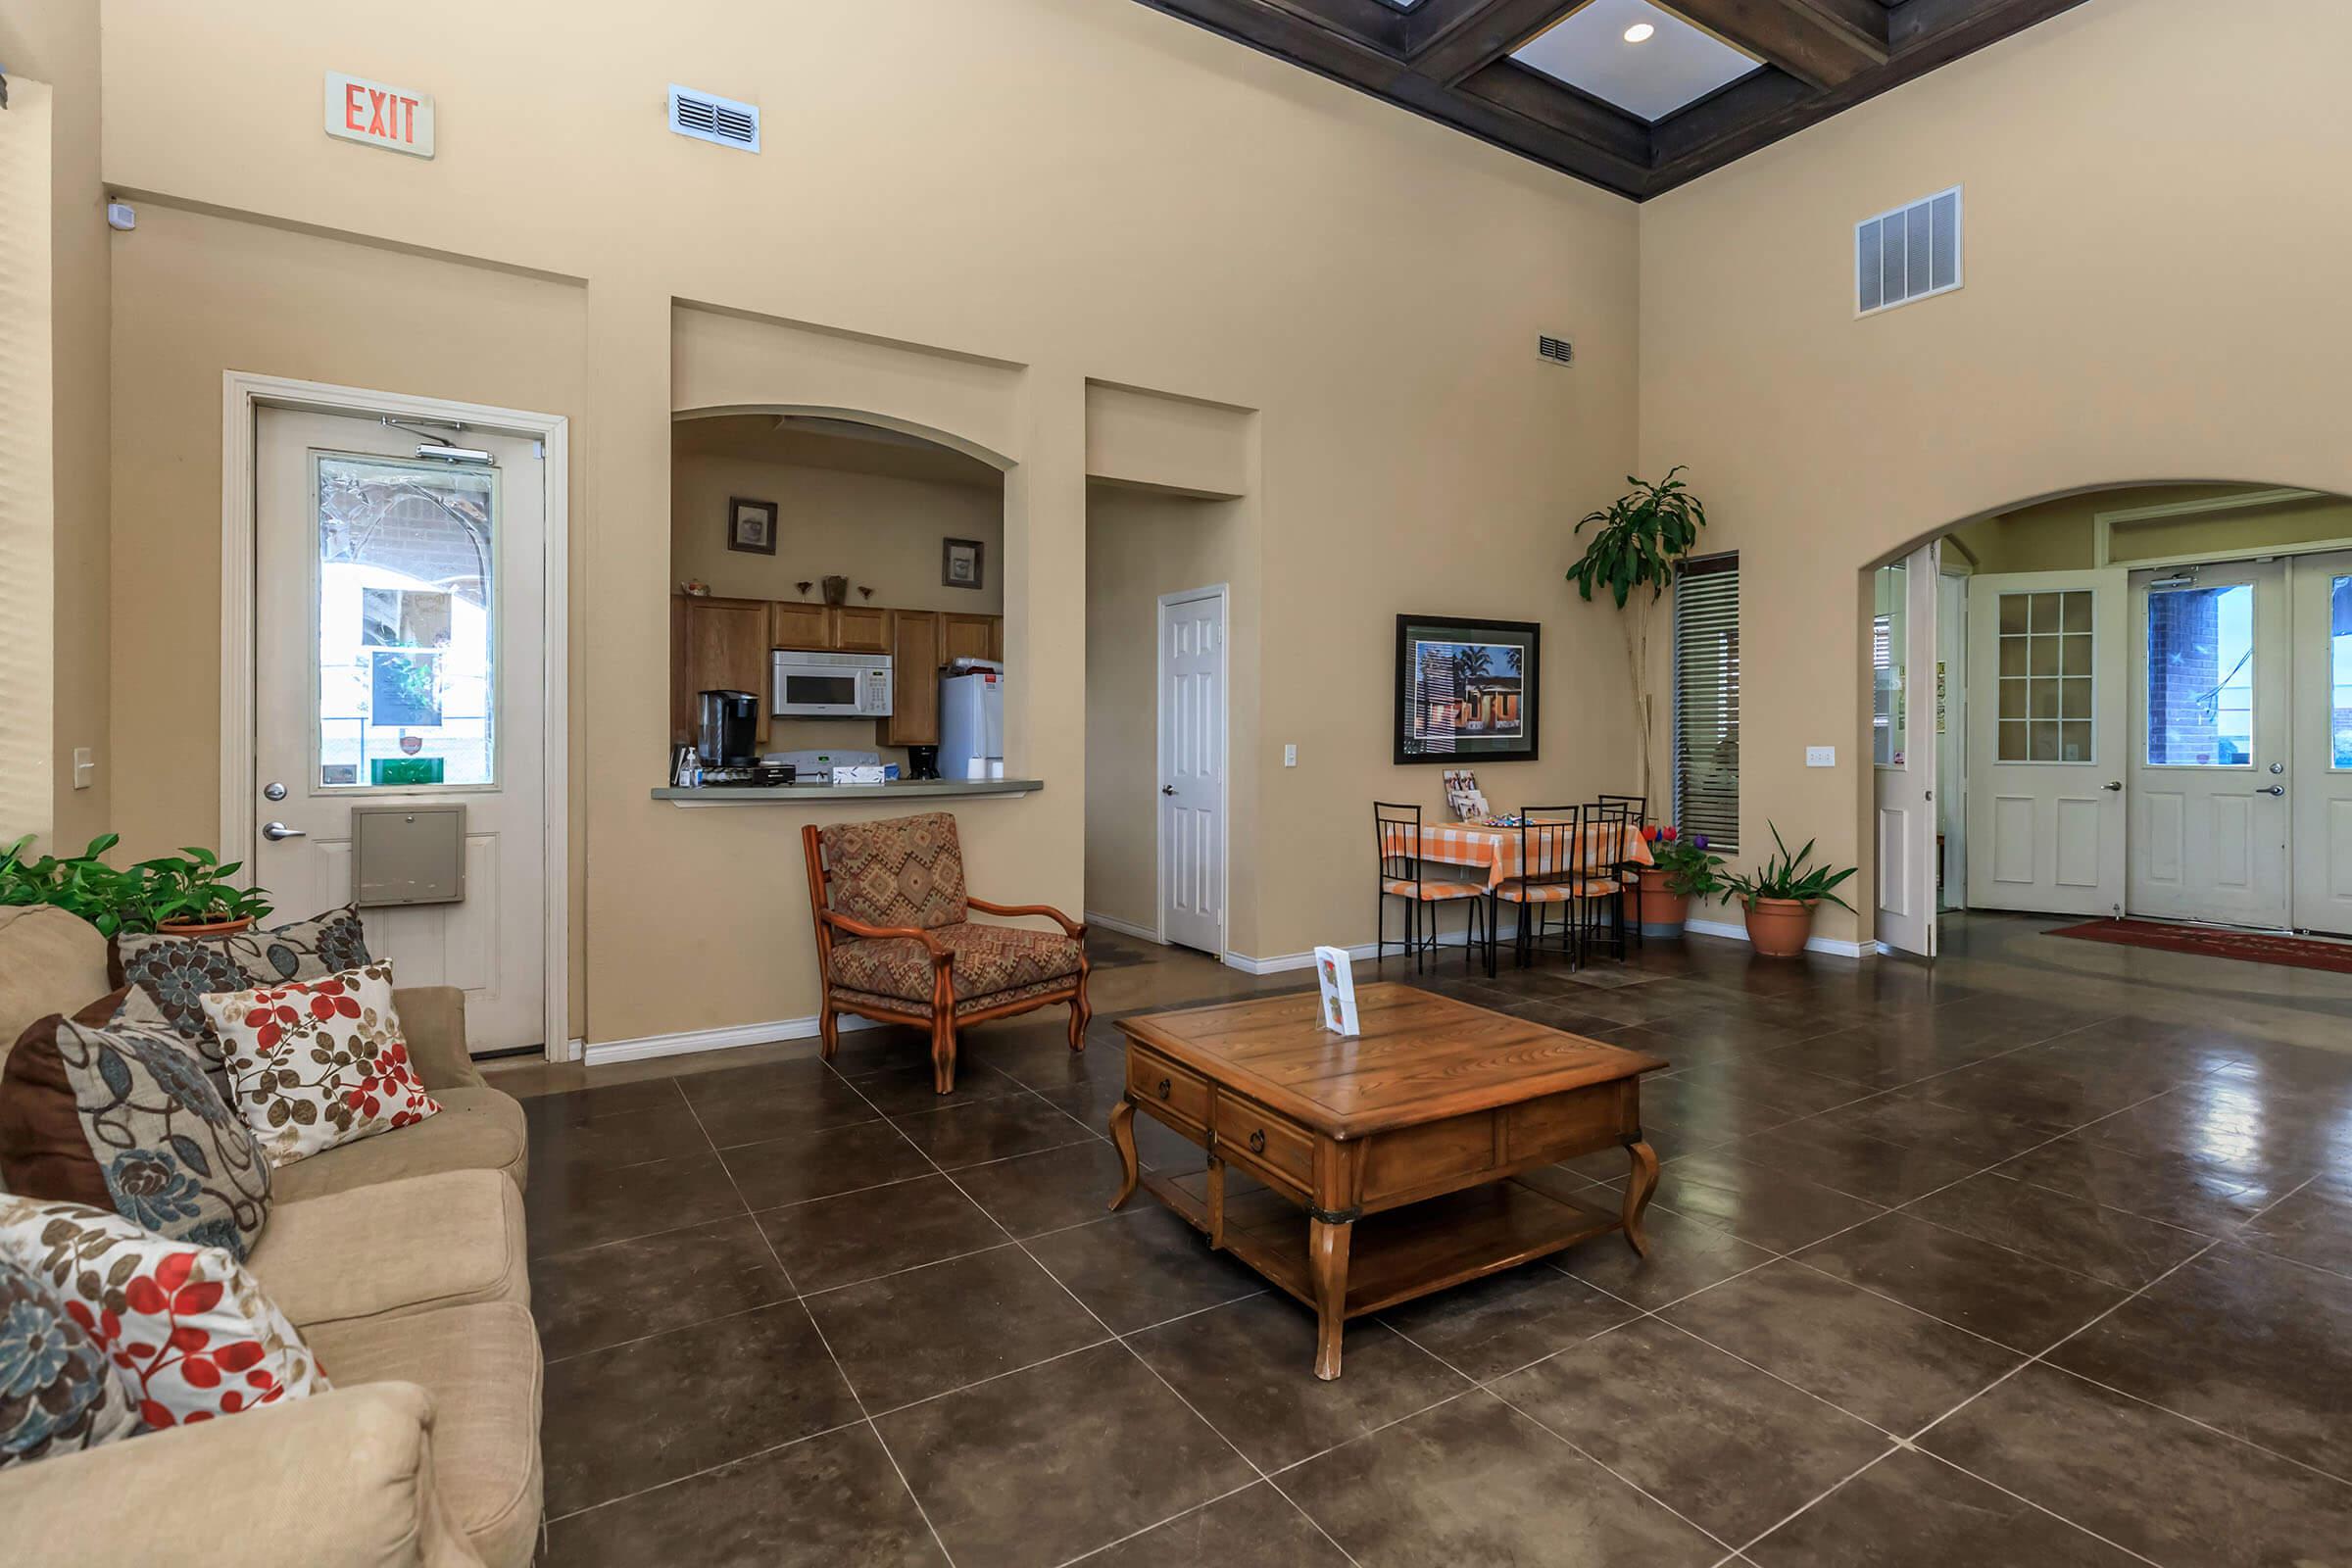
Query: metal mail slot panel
(407, 854)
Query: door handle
(1167, 789)
(2275, 789)
(2118, 785)
(273, 831)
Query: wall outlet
(85, 768)
(1821, 757)
(1290, 757)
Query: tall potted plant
(1643, 537)
(1781, 895)
(1681, 869)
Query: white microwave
(809, 685)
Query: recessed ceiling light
(1639, 33)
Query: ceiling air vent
(1558, 349)
(1907, 253)
(707, 117)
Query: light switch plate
(1821, 757)
(1290, 757)
(85, 768)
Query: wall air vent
(1558, 349)
(1907, 253)
(707, 117)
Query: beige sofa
(402, 1259)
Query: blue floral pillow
(169, 975)
(125, 1118)
(58, 1391)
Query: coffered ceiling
(1634, 96)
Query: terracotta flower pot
(203, 928)
(1778, 929)
(1662, 912)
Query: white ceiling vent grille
(1558, 349)
(707, 117)
(1907, 253)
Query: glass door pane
(2339, 672)
(2200, 688)
(406, 607)
(1888, 653)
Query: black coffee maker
(725, 738)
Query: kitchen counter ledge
(927, 789)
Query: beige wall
(57, 43)
(2115, 327)
(967, 215)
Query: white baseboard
(726, 1038)
(1283, 961)
(1125, 928)
(1738, 933)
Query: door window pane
(2045, 676)
(2339, 668)
(406, 615)
(2201, 676)
(1889, 645)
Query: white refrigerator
(972, 724)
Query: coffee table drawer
(1169, 1090)
(1576, 1122)
(1251, 1133)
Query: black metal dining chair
(1548, 881)
(1611, 824)
(1396, 831)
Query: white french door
(2319, 775)
(2047, 741)
(400, 628)
(1192, 769)
(2210, 682)
(1904, 750)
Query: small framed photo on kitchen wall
(752, 525)
(961, 563)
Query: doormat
(2252, 947)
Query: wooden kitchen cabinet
(968, 637)
(858, 629)
(718, 644)
(799, 625)
(914, 679)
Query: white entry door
(2318, 776)
(2046, 740)
(398, 637)
(2210, 681)
(1192, 769)
(1904, 750)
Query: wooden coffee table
(1403, 1144)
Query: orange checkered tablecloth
(1494, 850)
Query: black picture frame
(1501, 722)
(948, 548)
(752, 525)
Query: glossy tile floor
(2043, 1256)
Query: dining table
(1495, 855)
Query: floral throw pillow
(121, 1117)
(190, 1333)
(169, 975)
(58, 1391)
(318, 1062)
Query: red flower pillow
(318, 1062)
(188, 1331)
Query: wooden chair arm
(859, 928)
(1072, 928)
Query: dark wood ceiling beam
(1470, 37)
(1530, 94)
(1825, 43)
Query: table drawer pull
(1169, 1090)
(1257, 1141)
(1164, 1087)
(1276, 1147)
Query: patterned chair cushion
(58, 1393)
(851, 1000)
(123, 1117)
(168, 975)
(1431, 891)
(988, 959)
(906, 872)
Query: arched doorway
(2134, 700)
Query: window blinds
(1707, 700)
(28, 647)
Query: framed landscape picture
(1466, 688)
(752, 525)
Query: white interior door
(1904, 750)
(2318, 776)
(1192, 769)
(2210, 681)
(399, 639)
(1952, 729)
(2046, 740)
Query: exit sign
(379, 113)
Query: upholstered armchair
(895, 939)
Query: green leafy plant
(1692, 872)
(80, 884)
(1644, 537)
(193, 887)
(1790, 876)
